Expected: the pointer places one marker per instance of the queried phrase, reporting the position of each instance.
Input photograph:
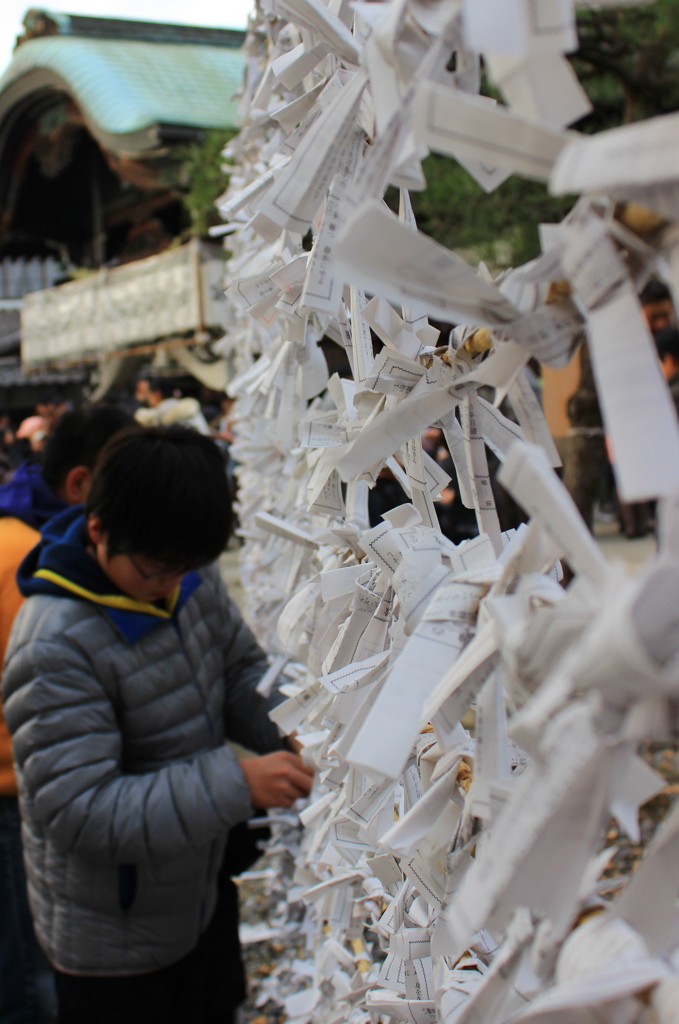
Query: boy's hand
(294, 744)
(277, 780)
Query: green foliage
(628, 62)
(204, 178)
(501, 228)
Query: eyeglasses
(159, 575)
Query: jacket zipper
(210, 723)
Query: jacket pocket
(127, 885)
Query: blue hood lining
(61, 566)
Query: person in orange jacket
(30, 499)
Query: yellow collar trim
(129, 604)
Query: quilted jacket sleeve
(68, 750)
(246, 712)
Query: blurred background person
(667, 342)
(164, 407)
(34, 430)
(141, 392)
(657, 306)
(6, 431)
(51, 408)
(7, 441)
(222, 434)
(225, 424)
(457, 522)
(585, 461)
(637, 519)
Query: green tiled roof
(124, 86)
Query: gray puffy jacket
(127, 790)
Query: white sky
(218, 13)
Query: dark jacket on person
(673, 384)
(119, 712)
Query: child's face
(136, 575)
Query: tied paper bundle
(450, 877)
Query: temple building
(95, 118)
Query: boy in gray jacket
(127, 669)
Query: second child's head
(158, 506)
(73, 447)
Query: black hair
(655, 291)
(166, 385)
(52, 397)
(77, 438)
(667, 342)
(162, 492)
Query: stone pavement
(634, 552)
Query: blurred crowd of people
(25, 439)
(156, 401)
(588, 462)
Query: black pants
(26, 978)
(204, 987)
